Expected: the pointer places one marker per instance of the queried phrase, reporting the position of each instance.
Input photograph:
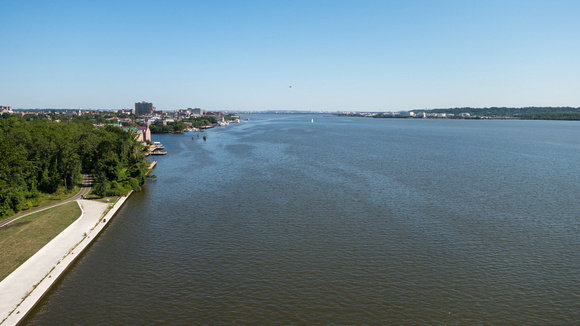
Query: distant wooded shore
(525, 113)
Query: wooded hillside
(43, 156)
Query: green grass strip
(24, 237)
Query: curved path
(86, 187)
(23, 288)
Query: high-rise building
(142, 108)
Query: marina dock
(153, 149)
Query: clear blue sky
(337, 55)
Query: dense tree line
(201, 121)
(41, 156)
(504, 111)
(552, 116)
(159, 128)
(69, 115)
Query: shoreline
(24, 288)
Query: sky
(290, 55)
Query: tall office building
(142, 108)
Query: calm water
(343, 221)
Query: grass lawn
(109, 199)
(24, 237)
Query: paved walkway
(86, 187)
(33, 278)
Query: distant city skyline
(301, 55)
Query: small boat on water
(311, 120)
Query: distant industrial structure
(144, 108)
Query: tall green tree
(43, 156)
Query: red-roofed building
(143, 132)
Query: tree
(42, 156)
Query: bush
(5, 212)
(134, 183)
(60, 192)
(115, 189)
(27, 205)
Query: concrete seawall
(24, 288)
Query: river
(280, 220)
